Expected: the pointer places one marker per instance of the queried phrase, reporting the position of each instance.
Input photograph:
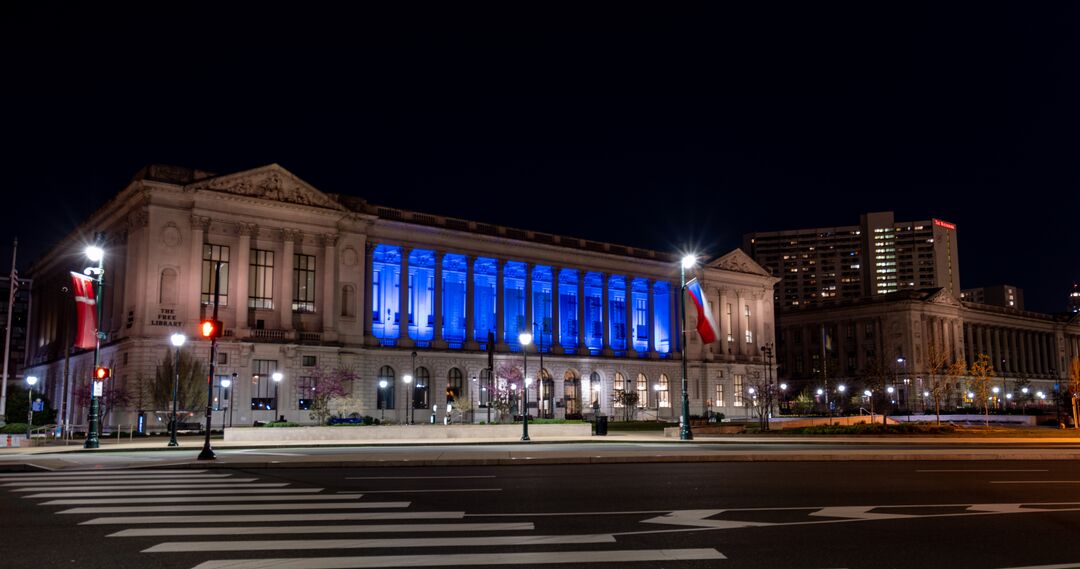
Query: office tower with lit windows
(878, 256)
(1074, 299)
(1007, 296)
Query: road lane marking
(152, 487)
(416, 477)
(858, 512)
(273, 518)
(128, 481)
(188, 499)
(455, 559)
(303, 544)
(1058, 566)
(291, 530)
(986, 470)
(233, 508)
(67, 479)
(425, 490)
(201, 492)
(1035, 481)
(100, 472)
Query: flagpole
(12, 289)
(685, 433)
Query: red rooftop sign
(945, 224)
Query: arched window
(385, 394)
(167, 294)
(455, 381)
(642, 390)
(348, 301)
(620, 385)
(487, 386)
(664, 393)
(571, 395)
(421, 388)
(595, 385)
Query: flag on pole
(706, 324)
(86, 306)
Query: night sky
(647, 129)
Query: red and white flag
(86, 308)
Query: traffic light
(210, 329)
(101, 373)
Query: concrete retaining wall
(508, 432)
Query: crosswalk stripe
(445, 560)
(296, 530)
(233, 508)
(129, 482)
(152, 487)
(301, 544)
(273, 518)
(416, 477)
(428, 490)
(201, 492)
(186, 499)
(72, 479)
(115, 472)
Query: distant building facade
(20, 316)
(1073, 304)
(314, 280)
(897, 332)
(1006, 296)
(879, 256)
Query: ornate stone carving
(739, 262)
(349, 257)
(138, 219)
(329, 239)
(170, 235)
(271, 183)
(247, 229)
(200, 223)
(294, 235)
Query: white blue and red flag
(706, 324)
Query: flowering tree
(504, 398)
(982, 373)
(328, 385)
(113, 395)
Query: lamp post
(226, 383)
(96, 254)
(408, 399)
(412, 393)
(656, 388)
(382, 400)
(177, 341)
(30, 380)
(277, 376)
(685, 433)
(525, 338)
(900, 362)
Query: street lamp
(277, 377)
(408, 400)
(525, 338)
(685, 433)
(412, 393)
(178, 341)
(656, 388)
(226, 383)
(382, 400)
(30, 380)
(997, 399)
(96, 255)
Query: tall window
(261, 279)
(718, 401)
(303, 283)
(730, 321)
(421, 388)
(455, 382)
(642, 390)
(487, 386)
(305, 393)
(620, 385)
(663, 394)
(749, 333)
(737, 393)
(594, 387)
(263, 388)
(212, 255)
(385, 397)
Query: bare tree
(761, 397)
(937, 362)
(982, 373)
(1074, 387)
(628, 399)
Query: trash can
(601, 425)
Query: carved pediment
(739, 262)
(942, 296)
(269, 183)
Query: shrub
(282, 424)
(14, 428)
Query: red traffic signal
(101, 373)
(210, 329)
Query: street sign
(38, 405)
(99, 388)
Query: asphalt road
(880, 514)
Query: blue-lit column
(437, 338)
(605, 314)
(404, 340)
(529, 304)
(556, 329)
(651, 326)
(582, 349)
(470, 304)
(500, 309)
(628, 302)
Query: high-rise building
(1007, 296)
(878, 256)
(1074, 299)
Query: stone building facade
(314, 280)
